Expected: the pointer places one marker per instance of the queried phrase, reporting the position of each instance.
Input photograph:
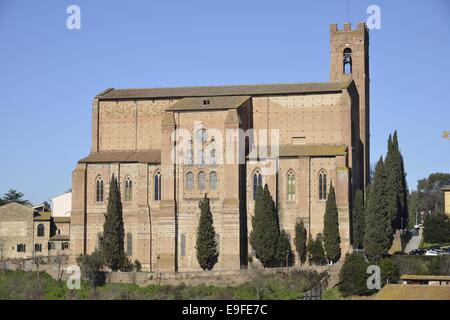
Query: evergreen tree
(283, 249)
(378, 234)
(396, 184)
(265, 229)
(316, 253)
(358, 224)
(14, 196)
(206, 247)
(113, 230)
(300, 241)
(332, 240)
(353, 276)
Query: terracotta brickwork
(323, 131)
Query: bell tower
(349, 54)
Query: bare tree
(60, 260)
(37, 261)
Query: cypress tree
(402, 217)
(206, 237)
(332, 240)
(358, 220)
(265, 229)
(112, 244)
(396, 185)
(283, 249)
(378, 234)
(300, 241)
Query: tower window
(128, 189)
(322, 185)
(291, 185)
(99, 189)
(201, 180)
(157, 194)
(189, 181)
(347, 59)
(257, 181)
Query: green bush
(353, 276)
(437, 228)
(389, 271)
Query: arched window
(157, 186)
(99, 189)
(347, 59)
(201, 181)
(291, 185)
(322, 185)
(189, 181)
(128, 189)
(257, 181)
(40, 230)
(129, 244)
(213, 180)
(183, 245)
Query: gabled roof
(424, 277)
(13, 208)
(209, 103)
(230, 90)
(151, 156)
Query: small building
(414, 279)
(61, 205)
(446, 191)
(26, 232)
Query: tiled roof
(209, 103)
(60, 237)
(42, 216)
(61, 219)
(152, 156)
(424, 277)
(230, 90)
(413, 292)
(307, 150)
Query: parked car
(431, 253)
(417, 252)
(414, 232)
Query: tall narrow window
(201, 180)
(99, 189)
(129, 244)
(213, 180)
(212, 159)
(128, 189)
(322, 185)
(257, 181)
(157, 186)
(347, 59)
(98, 243)
(38, 247)
(189, 181)
(291, 185)
(183, 245)
(40, 230)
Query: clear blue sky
(49, 74)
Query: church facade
(316, 134)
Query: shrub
(137, 266)
(353, 276)
(389, 271)
(437, 228)
(90, 266)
